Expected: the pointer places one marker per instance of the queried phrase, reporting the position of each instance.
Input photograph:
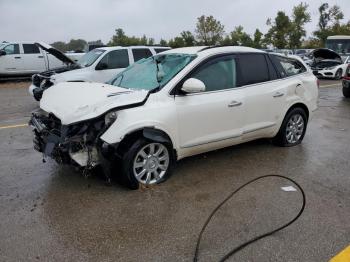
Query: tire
(290, 133)
(157, 168)
(346, 92)
(338, 75)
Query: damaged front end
(76, 144)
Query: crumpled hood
(78, 101)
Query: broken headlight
(110, 118)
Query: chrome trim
(258, 128)
(212, 141)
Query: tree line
(283, 32)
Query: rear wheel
(146, 163)
(339, 74)
(293, 128)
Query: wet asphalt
(53, 213)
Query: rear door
(32, 59)
(110, 65)
(11, 62)
(265, 95)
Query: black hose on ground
(240, 247)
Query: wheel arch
(151, 133)
(300, 105)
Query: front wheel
(293, 128)
(146, 163)
(338, 74)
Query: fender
(156, 135)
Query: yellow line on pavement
(13, 126)
(339, 84)
(343, 256)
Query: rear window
(30, 49)
(289, 66)
(253, 68)
(141, 53)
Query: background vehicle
(98, 65)
(328, 64)
(157, 110)
(339, 44)
(26, 58)
(346, 82)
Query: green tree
(209, 31)
(76, 44)
(188, 38)
(177, 42)
(297, 31)
(278, 34)
(163, 42)
(258, 41)
(239, 37)
(329, 22)
(60, 46)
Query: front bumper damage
(78, 144)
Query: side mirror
(2, 52)
(101, 66)
(193, 85)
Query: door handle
(278, 94)
(17, 57)
(40, 56)
(234, 103)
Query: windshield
(89, 58)
(153, 72)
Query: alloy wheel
(151, 163)
(295, 128)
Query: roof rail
(212, 46)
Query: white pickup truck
(98, 65)
(27, 58)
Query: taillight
(318, 83)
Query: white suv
(173, 105)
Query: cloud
(53, 20)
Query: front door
(213, 118)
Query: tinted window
(253, 68)
(12, 49)
(290, 66)
(116, 59)
(217, 74)
(159, 50)
(30, 49)
(141, 53)
(272, 70)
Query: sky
(62, 20)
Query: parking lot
(53, 213)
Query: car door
(11, 62)
(110, 65)
(213, 118)
(32, 59)
(266, 94)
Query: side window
(254, 68)
(290, 66)
(30, 49)
(272, 70)
(159, 50)
(12, 49)
(217, 74)
(116, 59)
(140, 53)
